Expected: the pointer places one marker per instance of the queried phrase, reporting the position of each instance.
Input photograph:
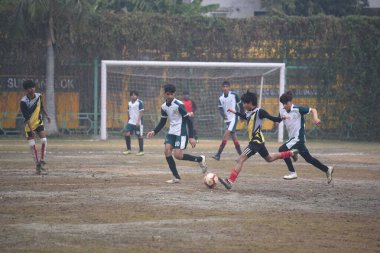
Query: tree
(168, 7)
(43, 13)
(314, 7)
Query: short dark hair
(249, 97)
(169, 88)
(133, 92)
(28, 84)
(226, 83)
(286, 97)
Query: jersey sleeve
(141, 105)
(163, 113)
(237, 98)
(220, 103)
(265, 115)
(304, 110)
(182, 110)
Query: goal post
(201, 79)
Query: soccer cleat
(203, 164)
(290, 176)
(329, 173)
(295, 153)
(226, 183)
(127, 152)
(174, 181)
(38, 168)
(141, 153)
(216, 157)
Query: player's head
(226, 87)
(28, 84)
(169, 90)
(186, 95)
(286, 100)
(134, 95)
(249, 100)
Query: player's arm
(265, 115)
(194, 106)
(141, 111)
(241, 115)
(316, 120)
(159, 126)
(26, 115)
(44, 111)
(221, 110)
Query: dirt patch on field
(97, 200)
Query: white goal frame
(107, 63)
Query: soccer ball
(210, 180)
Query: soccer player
(31, 107)
(177, 137)
(190, 107)
(293, 118)
(135, 123)
(254, 117)
(228, 100)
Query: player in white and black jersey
(135, 123)
(228, 100)
(177, 138)
(293, 118)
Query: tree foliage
(305, 8)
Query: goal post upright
(107, 63)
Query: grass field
(97, 200)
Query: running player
(293, 117)
(254, 117)
(177, 136)
(31, 107)
(228, 100)
(135, 123)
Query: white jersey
(176, 113)
(134, 109)
(295, 122)
(231, 101)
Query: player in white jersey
(178, 136)
(31, 107)
(228, 100)
(135, 123)
(293, 118)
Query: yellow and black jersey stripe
(31, 111)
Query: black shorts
(39, 129)
(254, 147)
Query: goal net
(202, 80)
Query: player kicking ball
(254, 117)
(31, 107)
(177, 138)
(293, 117)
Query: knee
(269, 158)
(178, 156)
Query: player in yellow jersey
(254, 117)
(31, 107)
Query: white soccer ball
(210, 180)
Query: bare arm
(139, 118)
(316, 120)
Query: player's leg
(180, 146)
(42, 134)
(127, 136)
(169, 144)
(316, 163)
(228, 182)
(232, 128)
(282, 155)
(139, 134)
(224, 142)
(292, 174)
